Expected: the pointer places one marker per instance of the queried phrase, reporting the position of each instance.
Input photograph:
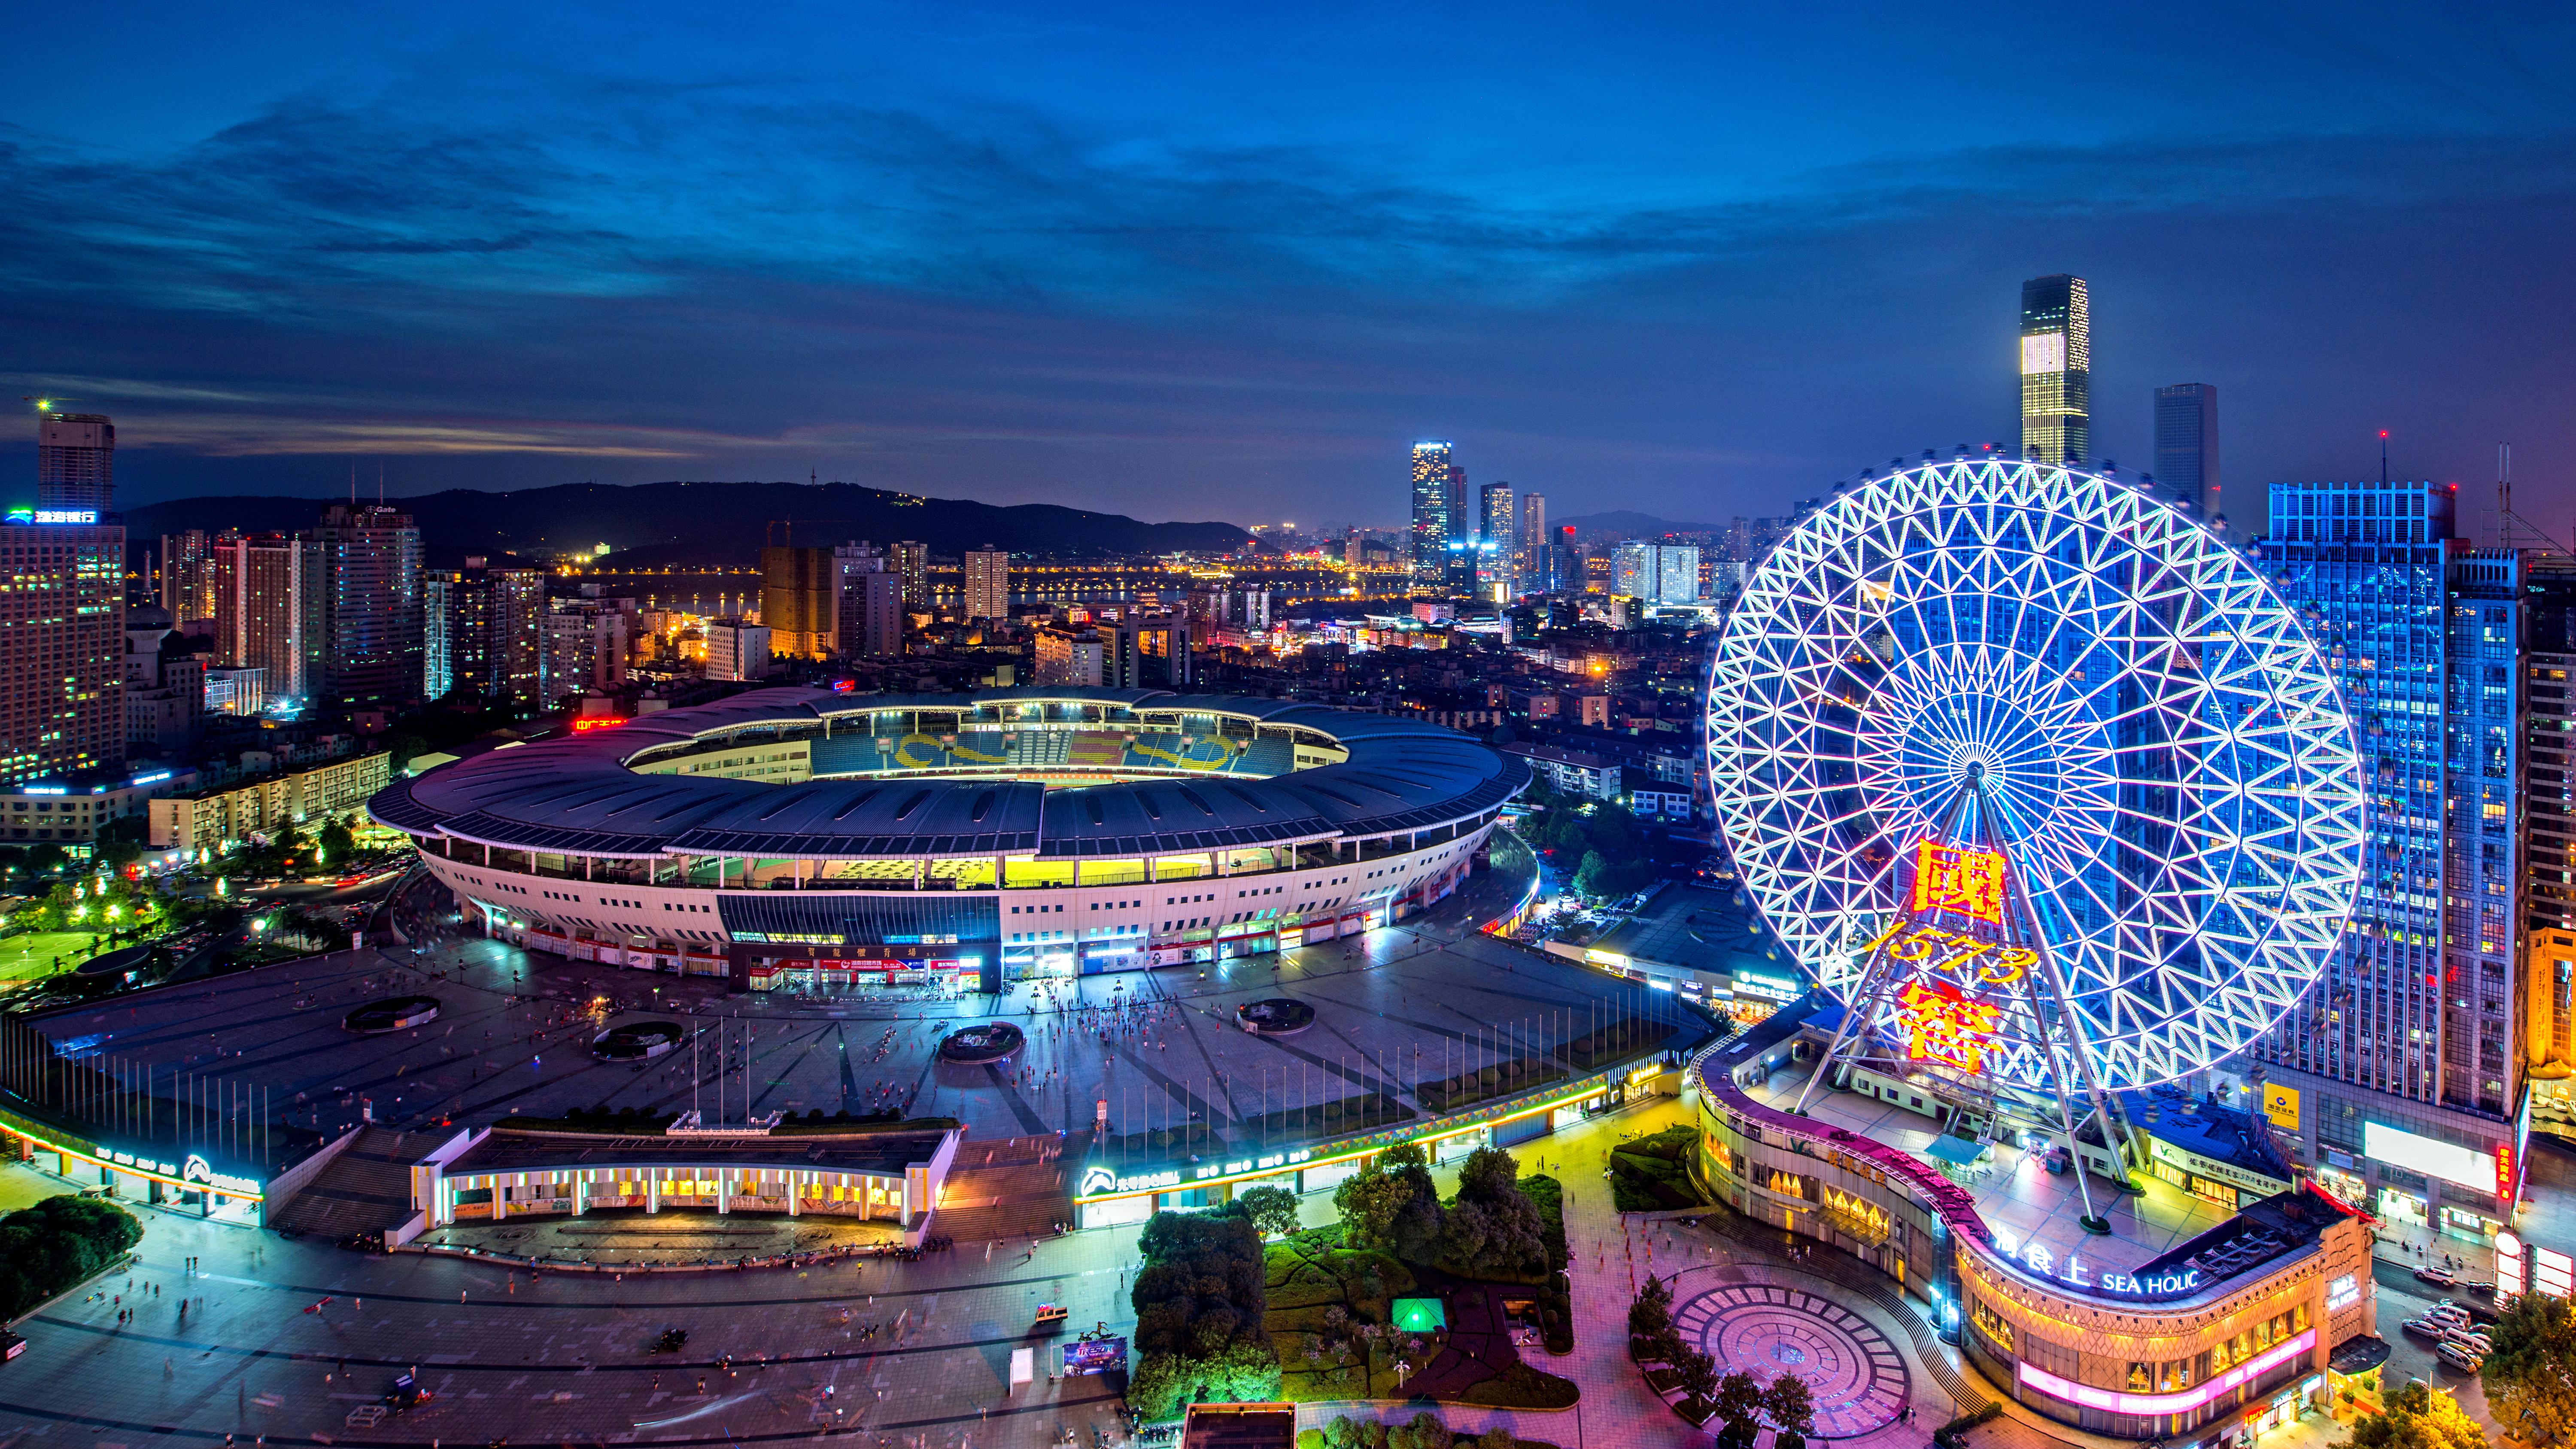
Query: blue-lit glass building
(2403, 1068)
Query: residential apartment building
(62, 625)
(219, 820)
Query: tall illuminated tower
(75, 463)
(2056, 370)
(1431, 518)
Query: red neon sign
(1943, 1026)
(587, 723)
(1969, 882)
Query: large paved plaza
(1393, 1009)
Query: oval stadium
(822, 843)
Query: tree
(1738, 1402)
(337, 843)
(1391, 1205)
(2418, 1418)
(1199, 1301)
(1492, 1229)
(1652, 1312)
(1273, 1210)
(2530, 1375)
(1791, 1408)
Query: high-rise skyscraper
(1494, 539)
(484, 629)
(2056, 370)
(1529, 540)
(2404, 1065)
(871, 603)
(800, 600)
(987, 584)
(1432, 520)
(75, 464)
(269, 610)
(2187, 447)
(188, 575)
(372, 623)
(62, 642)
(910, 561)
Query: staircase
(1011, 1187)
(366, 1189)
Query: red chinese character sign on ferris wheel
(1945, 1027)
(1969, 882)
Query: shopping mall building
(2207, 1315)
(803, 840)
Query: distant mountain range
(653, 525)
(1629, 525)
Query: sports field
(31, 957)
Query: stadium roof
(575, 793)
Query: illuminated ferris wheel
(2036, 773)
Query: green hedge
(55, 1244)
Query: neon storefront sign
(2182, 1403)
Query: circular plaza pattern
(1857, 1376)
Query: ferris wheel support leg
(1873, 983)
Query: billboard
(2475, 1171)
(2281, 1106)
(1095, 1356)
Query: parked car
(2476, 1343)
(2442, 1276)
(2427, 1327)
(2459, 1358)
(2474, 1285)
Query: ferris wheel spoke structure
(2155, 741)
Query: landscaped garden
(1652, 1173)
(1407, 1296)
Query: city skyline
(1121, 288)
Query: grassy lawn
(1306, 1277)
(1652, 1173)
(29, 958)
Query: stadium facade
(798, 839)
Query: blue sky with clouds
(1194, 261)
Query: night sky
(1197, 261)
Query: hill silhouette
(716, 524)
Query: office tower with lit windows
(269, 610)
(987, 584)
(188, 575)
(484, 631)
(372, 619)
(2404, 1064)
(2056, 370)
(800, 600)
(62, 642)
(2187, 447)
(75, 464)
(1433, 523)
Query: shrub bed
(1501, 1079)
(1622, 1038)
(55, 1244)
(1652, 1173)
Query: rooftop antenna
(380, 482)
(2383, 457)
(2513, 531)
(353, 482)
